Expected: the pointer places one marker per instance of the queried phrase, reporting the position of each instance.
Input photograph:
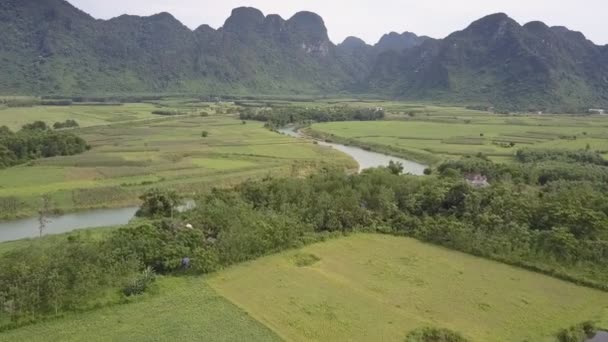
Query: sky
(370, 19)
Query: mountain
(399, 42)
(51, 47)
(499, 62)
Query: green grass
(85, 115)
(185, 309)
(360, 288)
(129, 157)
(450, 133)
(373, 288)
(50, 240)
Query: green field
(373, 288)
(133, 150)
(434, 134)
(185, 309)
(358, 288)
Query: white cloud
(369, 19)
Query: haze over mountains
(50, 47)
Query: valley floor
(434, 134)
(133, 150)
(359, 288)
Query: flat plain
(358, 288)
(432, 134)
(379, 288)
(184, 309)
(133, 150)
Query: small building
(477, 180)
(597, 111)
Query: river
(28, 228)
(366, 159)
(601, 336)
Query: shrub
(204, 260)
(435, 335)
(159, 203)
(141, 283)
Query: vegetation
(183, 309)
(370, 287)
(434, 335)
(543, 210)
(563, 234)
(158, 203)
(67, 124)
(282, 116)
(133, 151)
(578, 333)
(437, 134)
(304, 61)
(35, 141)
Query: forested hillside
(50, 47)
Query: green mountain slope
(497, 61)
(50, 47)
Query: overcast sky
(369, 19)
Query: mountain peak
(536, 26)
(352, 43)
(309, 24)
(399, 41)
(491, 22)
(244, 18)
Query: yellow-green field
(129, 157)
(379, 288)
(444, 133)
(86, 115)
(359, 288)
(183, 310)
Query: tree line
(558, 227)
(37, 140)
(283, 116)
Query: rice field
(380, 288)
(183, 309)
(359, 288)
(448, 133)
(150, 151)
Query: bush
(159, 203)
(141, 283)
(66, 124)
(435, 335)
(35, 141)
(167, 112)
(205, 260)
(578, 333)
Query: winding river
(366, 159)
(28, 228)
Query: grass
(360, 288)
(185, 309)
(133, 150)
(373, 287)
(85, 115)
(50, 240)
(433, 133)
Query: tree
(205, 134)
(43, 214)
(159, 203)
(395, 168)
(36, 126)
